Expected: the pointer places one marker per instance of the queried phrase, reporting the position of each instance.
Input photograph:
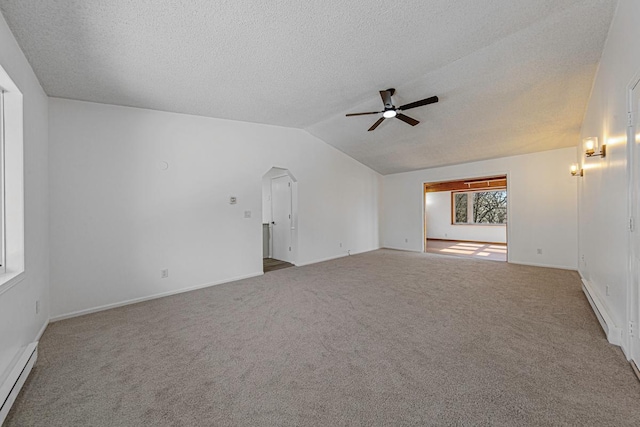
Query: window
(460, 209)
(2, 222)
(479, 207)
(11, 184)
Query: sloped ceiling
(513, 76)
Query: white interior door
(281, 213)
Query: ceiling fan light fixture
(390, 111)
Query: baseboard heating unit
(613, 332)
(15, 380)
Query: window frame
(3, 243)
(470, 204)
(13, 213)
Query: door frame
(460, 178)
(274, 172)
(632, 336)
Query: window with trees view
(480, 207)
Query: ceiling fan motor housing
(389, 105)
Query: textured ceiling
(513, 76)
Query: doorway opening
(467, 217)
(279, 219)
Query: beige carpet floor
(385, 338)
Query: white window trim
(469, 194)
(13, 184)
(3, 249)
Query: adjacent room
(467, 218)
(319, 214)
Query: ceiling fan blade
(386, 97)
(407, 119)
(376, 124)
(363, 114)
(420, 103)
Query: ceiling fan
(390, 111)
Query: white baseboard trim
(15, 380)
(150, 297)
(302, 264)
(315, 261)
(402, 249)
(635, 368)
(365, 251)
(535, 264)
(42, 330)
(613, 332)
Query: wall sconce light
(591, 144)
(576, 171)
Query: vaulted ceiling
(513, 76)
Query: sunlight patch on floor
(456, 251)
(488, 251)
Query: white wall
(603, 203)
(542, 205)
(438, 212)
(117, 219)
(19, 323)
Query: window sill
(9, 280)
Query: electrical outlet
(164, 273)
(247, 214)
(539, 251)
(37, 306)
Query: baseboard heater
(16, 379)
(613, 333)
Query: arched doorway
(279, 219)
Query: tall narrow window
(11, 183)
(460, 204)
(2, 188)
